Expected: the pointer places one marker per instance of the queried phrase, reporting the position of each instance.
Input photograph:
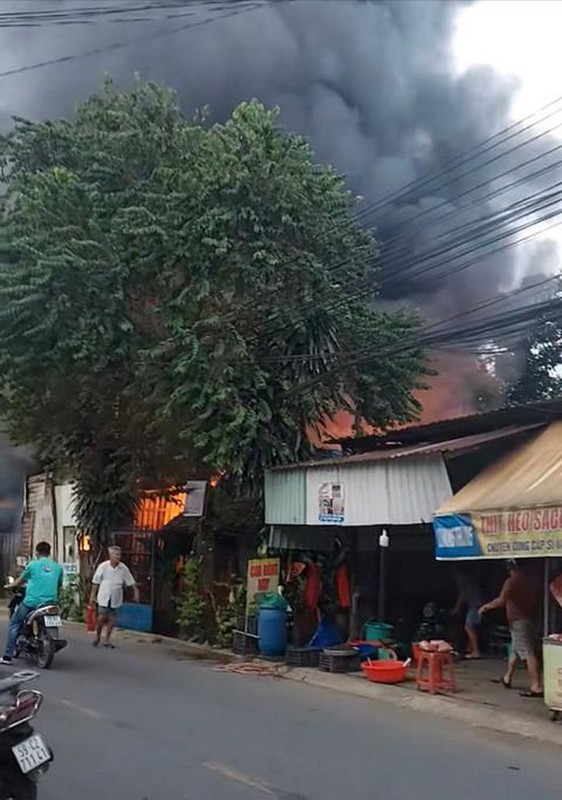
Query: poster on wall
(69, 572)
(331, 506)
(262, 578)
(521, 533)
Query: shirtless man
(520, 599)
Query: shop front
(512, 510)
(359, 530)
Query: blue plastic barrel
(272, 632)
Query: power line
(520, 318)
(509, 171)
(250, 6)
(412, 187)
(147, 12)
(255, 5)
(364, 287)
(389, 257)
(439, 327)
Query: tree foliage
(177, 293)
(540, 376)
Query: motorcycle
(24, 754)
(39, 639)
(433, 623)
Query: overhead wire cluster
(37, 13)
(462, 243)
(455, 237)
(228, 10)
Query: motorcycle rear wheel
(15, 786)
(45, 650)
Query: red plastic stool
(436, 672)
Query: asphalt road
(142, 723)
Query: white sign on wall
(331, 505)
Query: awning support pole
(546, 598)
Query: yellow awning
(513, 509)
(528, 477)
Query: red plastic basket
(385, 671)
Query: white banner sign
(195, 498)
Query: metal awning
(513, 509)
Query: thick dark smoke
(370, 82)
(14, 463)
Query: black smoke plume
(371, 83)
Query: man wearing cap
(520, 598)
(109, 580)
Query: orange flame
(447, 396)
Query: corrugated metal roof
(543, 411)
(381, 492)
(388, 452)
(531, 476)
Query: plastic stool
(436, 672)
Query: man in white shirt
(109, 580)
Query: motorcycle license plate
(52, 622)
(31, 754)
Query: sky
(519, 38)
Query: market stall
(513, 510)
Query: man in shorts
(109, 580)
(43, 581)
(520, 598)
(469, 601)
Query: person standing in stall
(469, 601)
(520, 597)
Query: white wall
(65, 519)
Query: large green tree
(540, 370)
(174, 292)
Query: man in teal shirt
(43, 581)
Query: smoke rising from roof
(370, 82)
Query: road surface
(140, 723)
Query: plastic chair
(436, 672)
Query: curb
(202, 652)
(475, 715)
(472, 714)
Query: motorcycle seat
(7, 685)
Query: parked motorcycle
(433, 623)
(24, 754)
(40, 638)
